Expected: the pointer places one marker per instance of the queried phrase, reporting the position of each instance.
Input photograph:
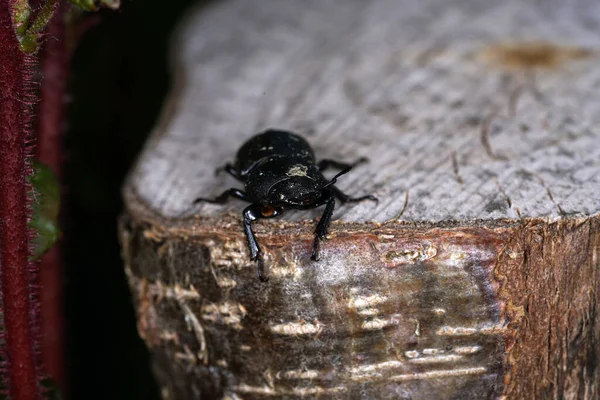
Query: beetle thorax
(285, 183)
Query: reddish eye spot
(267, 211)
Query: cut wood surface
(476, 109)
(476, 275)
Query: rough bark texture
(476, 276)
(550, 282)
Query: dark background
(119, 77)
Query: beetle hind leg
(321, 229)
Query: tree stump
(476, 276)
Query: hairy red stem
(50, 127)
(16, 95)
(51, 109)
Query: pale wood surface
(427, 89)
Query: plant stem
(50, 127)
(16, 101)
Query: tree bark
(475, 276)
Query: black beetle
(279, 173)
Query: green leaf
(29, 29)
(46, 206)
(52, 391)
(93, 5)
(21, 10)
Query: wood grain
(406, 84)
(476, 276)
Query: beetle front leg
(223, 197)
(322, 226)
(251, 214)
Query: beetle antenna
(334, 179)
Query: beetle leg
(344, 198)
(327, 163)
(322, 226)
(251, 214)
(230, 169)
(223, 197)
